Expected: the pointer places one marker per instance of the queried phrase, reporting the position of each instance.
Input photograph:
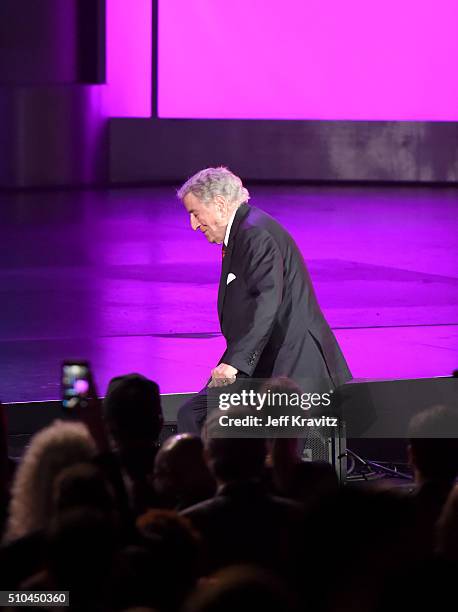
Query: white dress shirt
(228, 228)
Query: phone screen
(75, 384)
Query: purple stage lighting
(320, 59)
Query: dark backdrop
(144, 150)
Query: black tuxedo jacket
(268, 311)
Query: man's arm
(264, 279)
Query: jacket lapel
(241, 213)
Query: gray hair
(211, 182)
(51, 450)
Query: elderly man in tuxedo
(268, 312)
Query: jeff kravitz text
(285, 420)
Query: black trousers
(192, 414)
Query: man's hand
(90, 413)
(222, 375)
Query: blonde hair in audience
(52, 449)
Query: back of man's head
(242, 587)
(433, 443)
(231, 458)
(236, 459)
(82, 485)
(133, 410)
(181, 475)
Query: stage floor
(119, 278)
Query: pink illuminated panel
(128, 58)
(309, 59)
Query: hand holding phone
(80, 399)
(76, 384)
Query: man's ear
(221, 205)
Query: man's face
(210, 219)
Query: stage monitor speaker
(377, 412)
(320, 446)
